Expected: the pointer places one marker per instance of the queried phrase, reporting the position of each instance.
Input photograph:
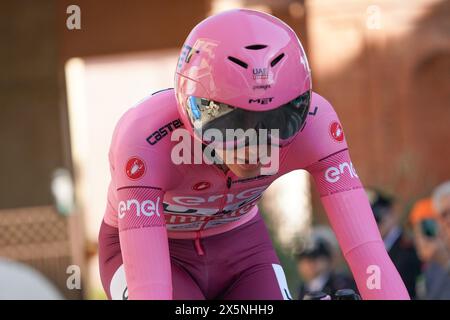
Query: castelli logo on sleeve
(135, 168)
(203, 185)
(336, 131)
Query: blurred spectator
(399, 245)
(432, 233)
(315, 268)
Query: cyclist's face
(245, 170)
(244, 162)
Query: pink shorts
(240, 264)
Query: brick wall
(389, 87)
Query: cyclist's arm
(144, 246)
(322, 148)
(142, 230)
(351, 218)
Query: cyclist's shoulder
(140, 125)
(320, 115)
(139, 151)
(319, 106)
(322, 121)
(321, 135)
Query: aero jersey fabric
(151, 199)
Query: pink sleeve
(142, 171)
(352, 220)
(144, 243)
(141, 177)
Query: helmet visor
(287, 119)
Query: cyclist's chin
(246, 170)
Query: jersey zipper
(229, 182)
(198, 245)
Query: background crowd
(418, 244)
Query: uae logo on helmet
(336, 131)
(135, 168)
(260, 73)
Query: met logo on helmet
(147, 207)
(334, 174)
(261, 100)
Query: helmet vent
(256, 47)
(238, 62)
(276, 60)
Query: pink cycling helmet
(243, 69)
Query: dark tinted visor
(288, 118)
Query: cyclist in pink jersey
(191, 229)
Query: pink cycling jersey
(151, 198)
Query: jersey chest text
(198, 211)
